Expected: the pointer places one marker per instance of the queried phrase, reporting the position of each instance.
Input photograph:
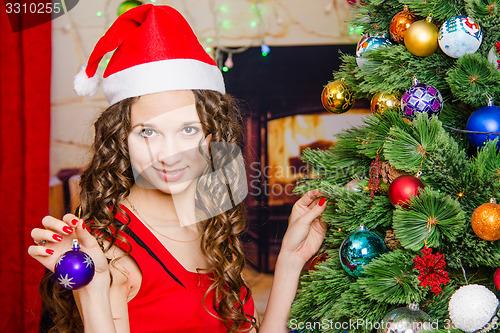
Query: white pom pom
(472, 307)
(85, 86)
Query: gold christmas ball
(382, 101)
(337, 97)
(421, 38)
(400, 23)
(486, 221)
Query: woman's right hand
(56, 237)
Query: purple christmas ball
(421, 97)
(74, 269)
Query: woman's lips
(171, 175)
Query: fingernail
(322, 201)
(74, 221)
(67, 229)
(49, 251)
(83, 224)
(57, 237)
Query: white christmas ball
(472, 307)
(494, 55)
(459, 35)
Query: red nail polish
(57, 237)
(74, 221)
(67, 230)
(49, 251)
(322, 201)
(83, 224)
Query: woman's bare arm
(103, 307)
(303, 239)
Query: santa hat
(155, 50)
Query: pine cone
(391, 241)
(389, 173)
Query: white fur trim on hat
(85, 86)
(163, 75)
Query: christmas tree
(413, 224)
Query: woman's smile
(171, 175)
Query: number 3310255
(33, 8)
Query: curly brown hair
(108, 179)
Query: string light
(274, 7)
(229, 62)
(264, 49)
(226, 24)
(329, 6)
(358, 30)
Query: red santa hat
(155, 50)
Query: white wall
(283, 22)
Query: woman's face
(164, 139)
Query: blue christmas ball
(359, 249)
(74, 269)
(369, 43)
(421, 97)
(485, 119)
(459, 36)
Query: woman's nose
(170, 152)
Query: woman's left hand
(306, 231)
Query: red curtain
(25, 65)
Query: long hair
(107, 181)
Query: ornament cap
(429, 19)
(490, 100)
(76, 245)
(413, 306)
(361, 228)
(493, 200)
(415, 81)
(419, 174)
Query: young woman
(161, 200)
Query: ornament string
(79, 216)
(472, 132)
(429, 17)
(463, 270)
(423, 151)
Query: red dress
(170, 298)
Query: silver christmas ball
(408, 319)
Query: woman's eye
(147, 132)
(190, 130)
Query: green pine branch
(473, 78)
(431, 216)
(392, 279)
(318, 290)
(351, 209)
(440, 10)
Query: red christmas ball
(403, 188)
(496, 278)
(319, 258)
